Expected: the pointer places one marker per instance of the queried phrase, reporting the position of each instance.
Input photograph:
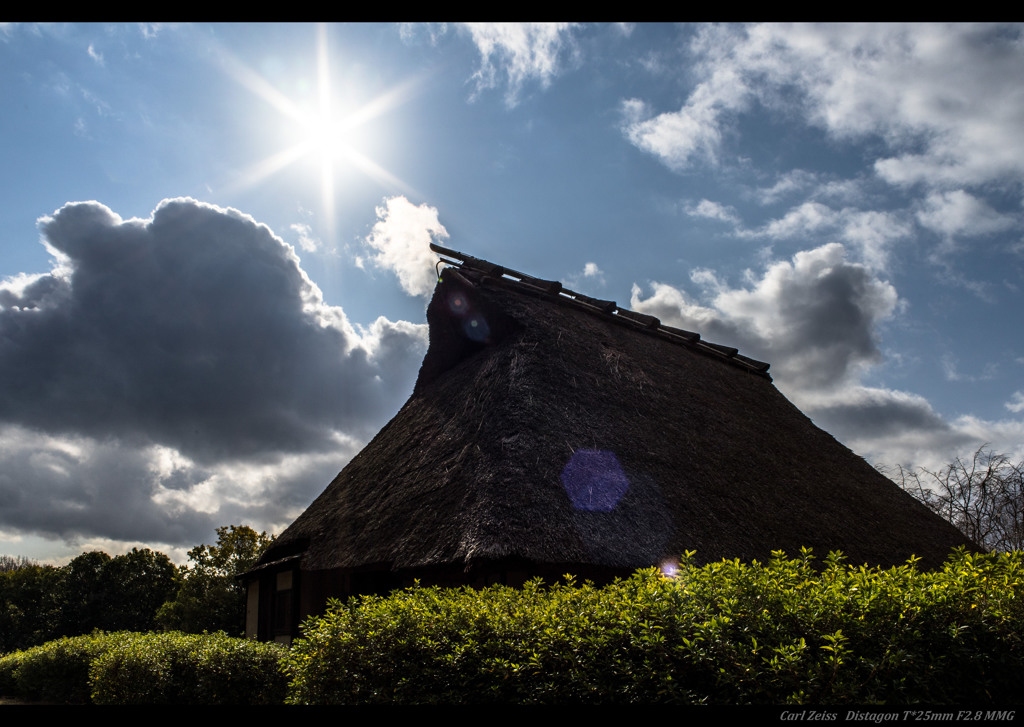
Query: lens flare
(594, 480)
(476, 329)
(669, 568)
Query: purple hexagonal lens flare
(594, 480)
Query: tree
(139, 583)
(14, 562)
(209, 598)
(983, 497)
(95, 591)
(84, 595)
(30, 608)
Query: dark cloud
(867, 413)
(814, 319)
(196, 329)
(175, 374)
(78, 490)
(898, 428)
(829, 323)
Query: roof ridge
(554, 290)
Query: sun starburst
(326, 132)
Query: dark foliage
(209, 597)
(133, 668)
(94, 591)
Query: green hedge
(175, 668)
(132, 668)
(56, 672)
(788, 631)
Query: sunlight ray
(323, 134)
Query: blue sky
(215, 237)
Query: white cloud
(591, 276)
(150, 30)
(808, 218)
(945, 99)
(521, 51)
(409, 32)
(870, 232)
(791, 182)
(402, 237)
(951, 371)
(873, 233)
(957, 212)
(713, 211)
(1016, 402)
(307, 241)
(678, 139)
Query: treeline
(139, 591)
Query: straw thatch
(549, 432)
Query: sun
(325, 132)
(324, 135)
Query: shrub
(786, 631)
(55, 672)
(176, 668)
(134, 668)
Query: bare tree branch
(983, 496)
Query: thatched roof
(553, 429)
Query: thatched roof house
(550, 432)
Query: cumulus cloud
(402, 237)
(521, 52)
(122, 493)
(163, 359)
(894, 427)
(813, 318)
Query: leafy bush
(788, 631)
(176, 668)
(55, 672)
(134, 668)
